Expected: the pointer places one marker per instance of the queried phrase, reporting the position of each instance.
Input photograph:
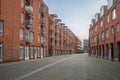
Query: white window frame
(103, 35)
(96, 28)
(39, 4)
(101, 24)
(22, 17)
(107, 33)
(114, 16)
(1, 45)
(22, 3)
(1, 30)
(32, 36)
(38, 38)
(21, 57)
(27, 35)
(21, 34)
(118, 27)
(27, 53)
(112, 30)
(108, 18)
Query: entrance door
(112, 51)
(35, 52)
(41, 52)
(26, 53)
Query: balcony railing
(43, 42)
(43, 31)
(51, 44)
(28, 40)
(51, 35)
(29, 23)
(43, 21)
(29, 9)
(43, 9)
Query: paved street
(67, 67)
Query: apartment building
(78, 44)
(86, 45)
(61, 38)
(104, 32)
(27, 31)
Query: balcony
(52, 44)
(43, 31)
(43, 9)
(28, 40)
(29, 9)
(43, 21)
(51, 26)
(29, 23)
(51, 36)
(43, 42)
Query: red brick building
(104, 32)
(27, 31)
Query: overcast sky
(76, 14)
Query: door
(26, 53)
(41, 52)
(35, 52)
(44, 52)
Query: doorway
(26, 53)
(112, 51)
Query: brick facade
(104, 36)
(26, 31)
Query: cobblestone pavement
(66, 67)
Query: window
(21, 33)
(39, 4)
(39, 27)
(92, 31)
(28, 35)
(118, 27)
(96, 28)
(22, 17)
(112, 30)
(108, 18)
(94, 39)
(21, 52)
(101, 24)
(38, 38)
(114, 14)
(1, 51)
(99, 36)
(107, 33)
(1, 28)
(32, 36)
(102, 35)
(22, 3)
